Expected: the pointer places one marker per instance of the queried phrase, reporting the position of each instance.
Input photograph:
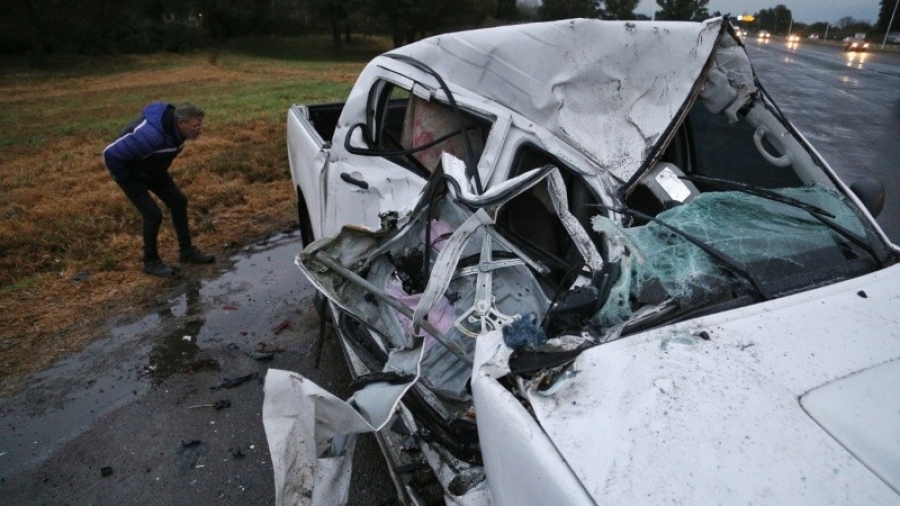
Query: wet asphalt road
(117, 423)
(846, 104)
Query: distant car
(854, 44)
(793, 38)
(763, 35)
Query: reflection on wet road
(177, 350)
(231, 312)
(856, 59)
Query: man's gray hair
(187, 111)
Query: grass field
(70, 244)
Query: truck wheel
(306, 231)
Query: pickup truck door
(360, 187)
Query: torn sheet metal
(503, 192)
(432, 350)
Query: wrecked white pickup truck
(589, 262)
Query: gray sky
(804, 11)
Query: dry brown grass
(61, 215)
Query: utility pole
(891, 22)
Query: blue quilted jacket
(147, 145)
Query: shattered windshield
(782, 248)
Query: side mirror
(366, 151)
(871, 192)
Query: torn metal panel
(439, 357)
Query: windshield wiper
(824, 217)
(732, 264)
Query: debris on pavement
(235, 381)
(261, 355)
(219, 404)
(281, 326)
(189, 453)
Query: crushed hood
(687, 413)
(609, 88)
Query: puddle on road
(232, 313)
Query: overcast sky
(804, 11)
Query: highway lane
(846, 104)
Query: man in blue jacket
(139, 162)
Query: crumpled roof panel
(610, 88)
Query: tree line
(42, 27)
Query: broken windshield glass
(783, 247)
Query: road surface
(846, 104)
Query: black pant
(137, 188)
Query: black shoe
(158, 268)
(195, 256)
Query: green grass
(24, 121)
